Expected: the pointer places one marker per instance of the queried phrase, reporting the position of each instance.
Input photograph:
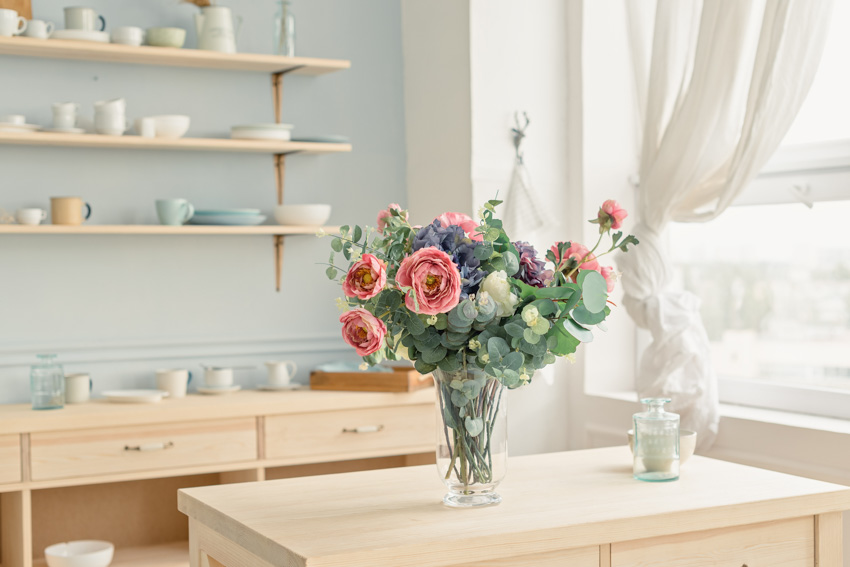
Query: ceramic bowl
(262, 132)
(687, 443)
(166, 37)
(83, 553)
(171, 125)
(302, 215)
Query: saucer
(66, 130)
(218, 390)
(135, 396)
(81, 35)
(282, 388)
(9, 127)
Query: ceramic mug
(39, 29)
(281, 372)
(128, 35)
(77, 388)
(174, 212)
(65, 114)
(82, 18)
(68, 210)
(30, 216)
(146, 127)
(218, 377)
(174, 381)
(11, 24)
(110, 124)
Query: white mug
(77, 388)
(30, 216)
(82, 18)
(39, 29)
(110, 124)
(218, 377)
(281, 372)
(13, 119)
(65, 114)
(173, 381)
(146, 127)
(11, 24)
(128, 35)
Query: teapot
(215, 29)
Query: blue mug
(174, 212)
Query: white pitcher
(215, 29)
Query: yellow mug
(68, 210)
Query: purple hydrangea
(532, 270)
(453, 241)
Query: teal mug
(174, 212)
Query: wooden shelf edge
(168, 57)
(174, 554)
(53, 139)
(161, 230)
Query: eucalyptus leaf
(594, 290)
(497, 348)
(471, 389)
(358, 233)
(514, 329)
(423, 367)
(336, 244)
(530, 336)
(415, 325)
(473, 426)
(434, 355)
(449, 364)
(456, 385)
(511, 263)
(585, 317)
(513, 361)
(458, 399)
(483, 251)
(331, 272)
(579, 332)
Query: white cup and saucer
(218, 380)
(65, 118)
(280, 377)
(30, 217)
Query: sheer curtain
(719, 83)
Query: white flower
(530, 315)
(341, 304)
(571, 357)
(485, 358)
(524, 377)
(321, 233)
(363, 366)
(496, 284)
(432, 320)
(474, 345)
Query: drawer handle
(150, 446)
(363, 429)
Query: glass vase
(47, 383)
(656, 452)
(472, 436)
(284, 29)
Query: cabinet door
(350, 434)
(10, 458)
(784, 543)
(140, 448)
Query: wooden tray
(402, 379)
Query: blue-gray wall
(121, 306)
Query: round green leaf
(594, 291)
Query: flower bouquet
(460, 299)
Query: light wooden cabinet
(350, 434)
(10, 458)
(68, 454)
(112, 471)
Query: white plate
(7, 127)
(228, 220)
(263, 126)
(260, 134)
(81, 35)
(135, 396)
(66, 130)
(283, 388)
(218, 390)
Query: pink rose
(610, 276)
(468, 225)
(434, 278)
(576, 252)
(363, 331)
(611, 212)
(385, 214)
(366, 278)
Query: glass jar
(284, 29)
(47, 383)
(656, 452)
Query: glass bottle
(284, 29)
(47, 383)
(656, 453)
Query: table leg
(194, 544)
(828, 536)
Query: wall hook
(519, 133)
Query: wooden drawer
(10, 458)
(332, 436)
(785, 543)
(164, 446)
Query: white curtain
(719, 83)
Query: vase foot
(471, 500)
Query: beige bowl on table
(687, 443)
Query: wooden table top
(549, 502)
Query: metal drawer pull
(364, 429)
(150, 446)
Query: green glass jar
(656, 452)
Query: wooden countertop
(549, 502)
(20, 418)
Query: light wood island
(110, 471)
(577, 509)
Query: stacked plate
(12, 127)
(267, 131)
(228, 217)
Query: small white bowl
(171, 125)
(83, 553)
(302, 215)
(687, 443)
(262, 132)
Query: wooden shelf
(156, 229)
(164, 555)
(168, 56)
(191, 144)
